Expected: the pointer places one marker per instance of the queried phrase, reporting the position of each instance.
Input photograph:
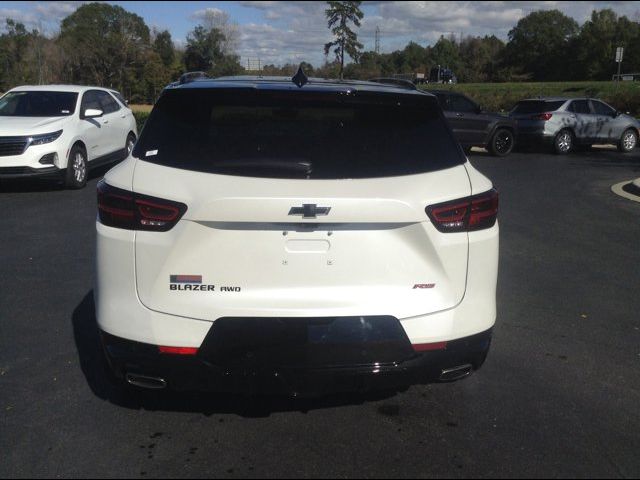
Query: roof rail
(190, 77)
(398, 82)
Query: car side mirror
(92, 113)
(479, 109)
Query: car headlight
(44, 138)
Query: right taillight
(467, 214)
(543, 116)
(123, 209)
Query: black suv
(474, 127)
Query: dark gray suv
(473, 127)
(565, 123)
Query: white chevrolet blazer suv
(295, 238)
(61, 131)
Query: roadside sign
(619, 54)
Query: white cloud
(205, 13)
(45, 17)
(275, 45)
(301, 26)
(27, 18)
(287, 31)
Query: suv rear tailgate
(238, 252)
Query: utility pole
(377, 48)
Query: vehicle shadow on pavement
(28, 186)
(607, 158)
(94, 368)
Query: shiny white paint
(381, 245)
(100, 138)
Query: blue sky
(280, 32)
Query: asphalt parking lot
(559, 395)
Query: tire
(563, 142)
(77, 168)
(628, 141)
(128, 146)
(502, 142)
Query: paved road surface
(558, 396)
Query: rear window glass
(535, 106)
(297, 134)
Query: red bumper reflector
(178, 350)
(428, 347)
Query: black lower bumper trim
(28, 172)
(303, 368)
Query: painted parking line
(618, 190)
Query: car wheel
(77, 169)
(501, 143)
(628, 141)
(563, 143)
(131, 141)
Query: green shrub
(141, 118)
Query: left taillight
(124, 209)
(466, 214)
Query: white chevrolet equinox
(61, 131)
(298, 238)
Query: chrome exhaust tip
(143, 381)
(456, 373)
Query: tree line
(105, 45)
(102, 44)
(544, 46)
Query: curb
(618, 189)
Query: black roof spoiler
(191, 76)
(398, 82)
(188, 77)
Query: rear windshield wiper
(302, 167)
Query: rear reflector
(543, 116)
(178, 350)
(467, 214)
(428, 347)
(123, 209)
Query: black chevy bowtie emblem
(309, 210)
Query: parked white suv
(62, 131)
(306, 239)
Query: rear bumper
(28, 172)
(252, 372)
